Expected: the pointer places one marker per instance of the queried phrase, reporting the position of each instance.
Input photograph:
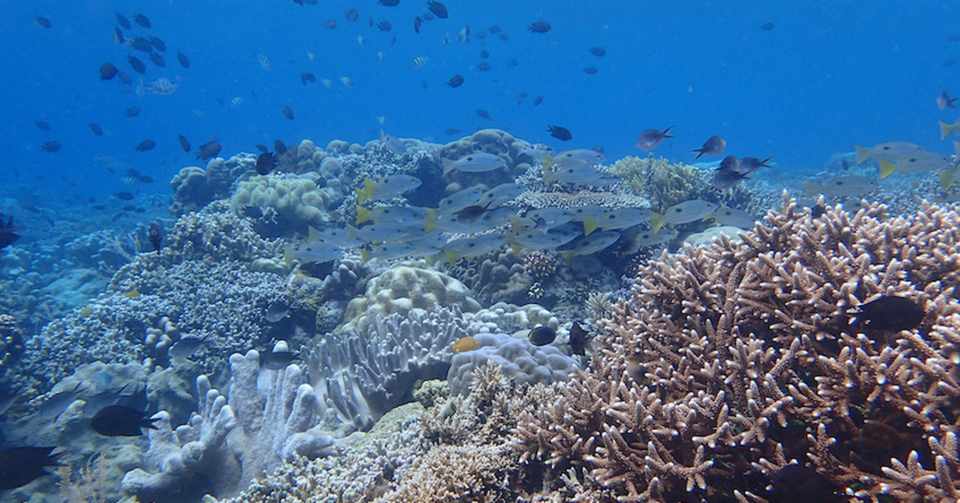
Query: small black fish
(95, 129)
(137, 65)
(384, 25)
(331, 24)
(42, 125)
(539, 26)
(307, 77)
(438, 9)
(389, 3)
(158, 60)
(184, 143)
(714, 145)
(578, 340)
(265, 163)
(287, 112)
(146, 145)
(559, 132)
(537, 101)
(483, 66)
(133, 111)
(20, 466)
(417, 23)
(123, 196)
(183, 59)
(768, 26)
(141, 44)
(108, 71)
(542, 335)
(43, 22)
(51, 146)
(123, 21)
(817, 211)
(455, 81)
(121, 421)
(277, 360)
(158, 44)
(352, 15)
(118, 36)
(142, 20)
(889, 312)
(155, 236)
(591, 70)
(8, 234)
(796, 483)
(483, 114)
(598, 51)
(484, 54)
(209, 150)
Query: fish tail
(947, 178)
(699, 152)
(515, 248)
(886, 169)
(363, 215)
(451, 256)
(656, 222)
(430, 221)
(944, 130)
(447, 166)
(589, 225)
(365, 254)
(863, 153)
(365, 193)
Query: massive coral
(730, 361)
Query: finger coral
(731, 360)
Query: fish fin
(312, 233)
(886, 169)
(451, 256)
(447, 166)
(947, 177)
(589, 225)
(430, 221)
(365, 193)
(148, 423)
(515, 248)
(288, 256)
(656, 222)
(363, 214)
(352, 232)
(863, 153)
(365, 255)
(944, 130)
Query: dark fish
(559, 132)
(437, 8)
(158, 44)
(578, 340)
(483, 66)
(455, 81)
(352, 15)
(483, 114)
(591, 70)
(186, 346)
(750, 164)
(817, 211)
(598, 51)
(417, 23)
(713, 145)
(123, 196)
(146, 145)
(8, 233)
(42, 125)
(209, 150)
(262, 148)
(539, 26)
(133, 111)
(307, 77)
(265, 163)
(384, 25)
(183, 59)
(484, 54)
(277, 311)
(123, 21)
(945, 101)
(20, 466)
(155, 236)
(118, 36)
(889, 312)
(650, 138)
(121, 421)
(142, 20)
(277, 360)
(51, 146)
(95, 129)
(279, 147)
(389, 3)
(537, 100)
(137, 65)
(108, 71)
(158, 60)
(184, 143)
(125, 78)
(287, 112)
(141, 44)
(331, 24)
(796, 483)
(768, 26)
(542, 335)
(43, 22)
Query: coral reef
(285, 204)
(731, 360)
(11, 342)
(663, 182)
(518, 359)
(194, 188)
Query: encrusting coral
(730, 361)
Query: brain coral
(289, 202)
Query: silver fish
(477, 162)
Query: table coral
(732, 359)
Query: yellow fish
(948, 129)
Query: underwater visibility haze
(447, 251)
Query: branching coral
(732, 359)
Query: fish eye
(678, 210)
(469, 157)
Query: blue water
(829, 75)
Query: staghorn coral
(730, 360)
